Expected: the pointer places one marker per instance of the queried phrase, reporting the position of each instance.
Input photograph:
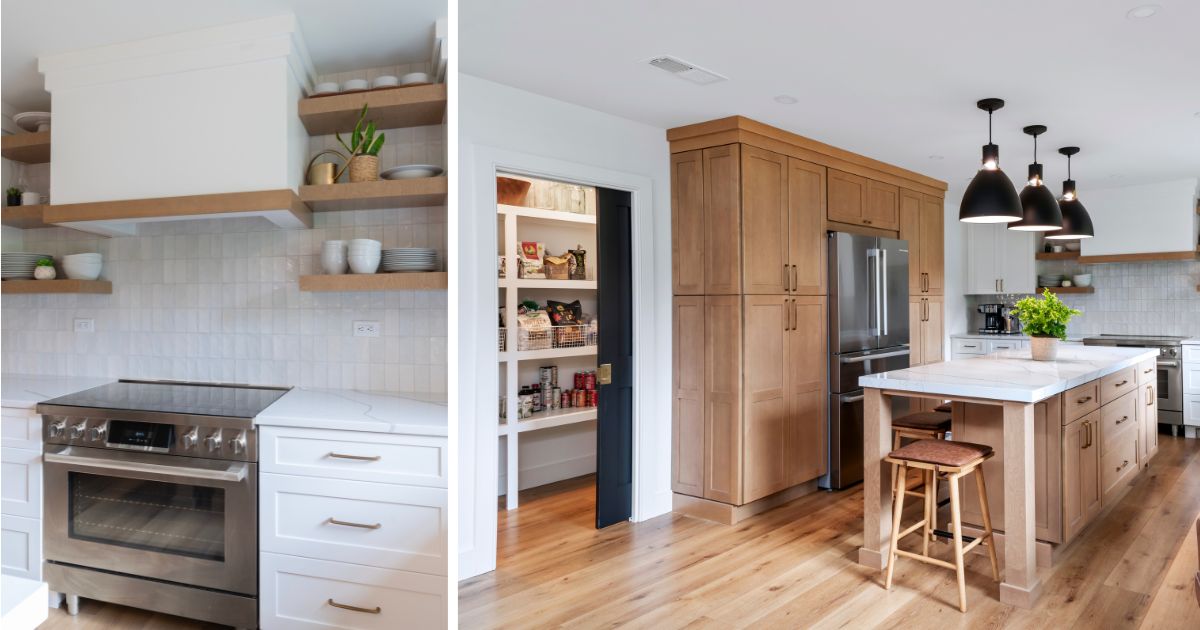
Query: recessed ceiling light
(786, 100)
(1143, 12)
(936, 157)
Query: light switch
(85, 325)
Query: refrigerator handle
(883, 290)
(873, 293)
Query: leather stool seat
(941, 452)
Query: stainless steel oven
(1170, 369)
(151, 500)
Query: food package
(579, 268)
(557, 267)
(532, 254)
(534, 330)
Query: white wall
(497, 117)
(955, 267)
(1158, 217)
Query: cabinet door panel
(881, 209)
(765, 266)
(916, 310)
(932, 331)
(983, 273)
(1081, 474)
(722, 220)
(687, 427)
(932, 254)
(806, 227)
(910, 230)
(687, 223)
(806, 450)
(1018, 271)
(723, 398)
(847, 196)
(766, 412)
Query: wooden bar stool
(951, 461)
(921, 425)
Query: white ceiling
(341, 35)
(894, 80)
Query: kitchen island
(1015, 383)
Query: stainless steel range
(1170, 369)
(151, 497)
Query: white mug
(30, 198)
(333, 258)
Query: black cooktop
(201, 399)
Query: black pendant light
(1039, 209)
(990, 197)
(1075, 219)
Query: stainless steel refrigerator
(868, 334)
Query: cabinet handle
(1122, 466)
(373, 611)
(866, 222)
(1087, 426)
(361, 458)
(334, 521)
(1123, 419)
(795, 278)
(795, 316)
(1120, 384)
(785, 279)
(970, 346)
(1147, 370)
(1002, 285)
(1083, 400)
(1150, 399)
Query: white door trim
(479, 387)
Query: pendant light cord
(1035, 148)
(1068, 167)
(989, 126)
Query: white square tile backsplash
(218, 300)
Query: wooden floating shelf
(24, 217)
(55, 286)
(30, 148)
(550, 217)
(1069, 289)
(1057, 256)
(376, 282)
(282, 207)
(412, 106)
(553, 418)
(534, 283)
(378, 195)
(1148, 257)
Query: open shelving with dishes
(1068, 289)
(377, 195)
(408, 281)
(30, 148)
(391, 108)
(528, 239)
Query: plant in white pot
(1045, 321)
(44, 270)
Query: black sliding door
(614, 427)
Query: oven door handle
(236, 472)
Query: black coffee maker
(998, 319)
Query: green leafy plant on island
(1045, 317)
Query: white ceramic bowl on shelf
(386, 80)
(1082, 280)
(364, 263)
(354, 85)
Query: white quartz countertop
(24, 602)
(25, 391)
(351, 410)
(1011, 374)
(1078, 339)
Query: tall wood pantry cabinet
(750, 207)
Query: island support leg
(877, 501)
(1020, 586)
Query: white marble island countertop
(352, 410)
(1011, 374)
(25, 391)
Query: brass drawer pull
(1147, 370)
(361, 458)
(1083, 400)
(373, 611)
(1123, 419)
(334, 521)
(1120, 384)
(1122, 466)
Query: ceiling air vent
(685, 70)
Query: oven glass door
(1170, 386)
(181, 519)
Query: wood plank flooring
(94, 615)
(793, 567)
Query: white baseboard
(550, 472)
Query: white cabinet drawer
(378, 457)
(1191, 377)
(20, 428)
(969, 346)
(1191, 352)
(1191, 409)
(296, 593)
(382, 525)
(21, 546)
(21, 482)
(996, 345)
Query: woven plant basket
(364, 168)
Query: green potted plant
(363, 150)
(44, 270)
(1045, 321)
(13, 196)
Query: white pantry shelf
(536, 283)
(552, 418)
(548, 217)
(549, 353)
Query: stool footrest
(941, 533)
(917, 556)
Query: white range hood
(1158, 219)
(204, 112)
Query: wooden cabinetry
(687, 430)
(858, 200)
(687, 223)
(882, 209)
(926, 330)
(765, 268)
(722, 255)
(722, 398)
(1081, 474)
(806, 227)
(921, 225)
(1147, 411)
(1000, 260)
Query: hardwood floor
(94, 615)
(793, 567)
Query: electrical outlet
(366, 329)
(85, 325)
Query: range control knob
(191, 438)
(237, 444)
(213, 441)
(97, 433)
(57, 429)
(77, 430)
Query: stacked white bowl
(82, 266)
(364, 255)
(333, 257)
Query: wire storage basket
(573, 336)
(503, 339)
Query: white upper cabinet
(999, 260)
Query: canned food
(579, 380)
(566, 399)
(537, 399)
(545, 374)
(555, 398)
(554, 375)
(593, 398)
(525, 406)
(589, 382)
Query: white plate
(355, 84)
(412, 171)
(33, 121)
(414, 77)
(386, 80)
(325, 88)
